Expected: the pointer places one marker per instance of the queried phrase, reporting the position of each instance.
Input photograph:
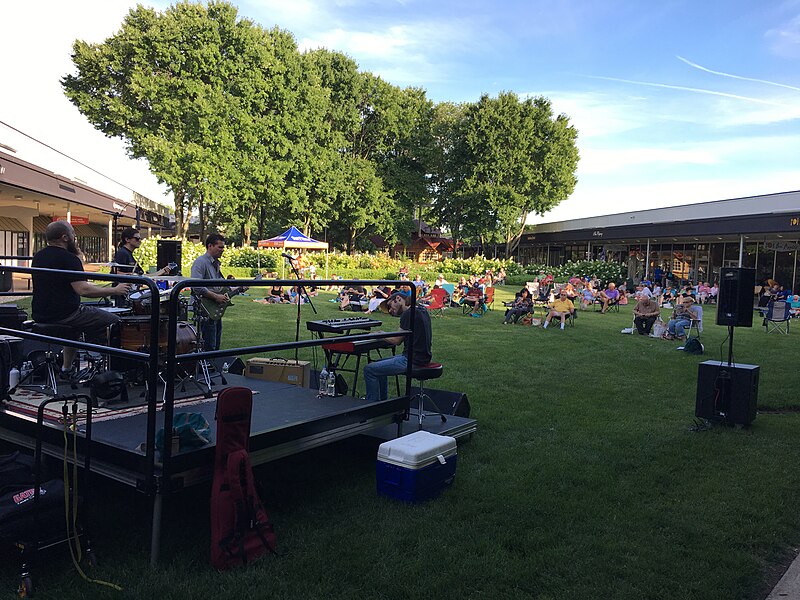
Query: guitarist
(207, 266)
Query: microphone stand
(301, 289)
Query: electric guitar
(215, 310)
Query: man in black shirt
(57, 298)
(377, 373)
(124, 262)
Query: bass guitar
(215, 310)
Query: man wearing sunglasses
(124, 262)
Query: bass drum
(134, 334)
(185, 342)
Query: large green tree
(521, 159)
(204, 96)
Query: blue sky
(675, 101)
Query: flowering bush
(605, 271)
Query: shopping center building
(693, 241)
(31, 197)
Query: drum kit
(135, 328)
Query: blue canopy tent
(293, 238)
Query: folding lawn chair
(777, 317)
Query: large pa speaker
(727, 392)
(735, 298)
(168, 251)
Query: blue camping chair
(777, 317)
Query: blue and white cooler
(416, 467)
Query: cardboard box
(280, 370)
(416, 467)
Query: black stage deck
(286, 419)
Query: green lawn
(584, 480)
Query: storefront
(692, 242)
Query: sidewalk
(788, 588)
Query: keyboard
(342, 325)
(356, 347)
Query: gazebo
(293, 238)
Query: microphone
(287, 256)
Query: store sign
(794, 222)
(597, 233)
(73, 219)
(780, 246)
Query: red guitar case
(240, 528)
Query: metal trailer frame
(159, 476)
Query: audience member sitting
(623, 296)
(681, 319)
(521, 306)
(608, 297)
(440, 280)
(587, 296)
(474, 298)
(561, 307)
(645, 314)
(353, 295)
(703, 290)
(712, 293)
(500, 278)
(379, 294)
(276, 294)
(794, 304)
(419, 282)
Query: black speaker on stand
(729, 392)
(735, 298)
(168, 251)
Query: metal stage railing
(157, 474)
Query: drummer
(124, 261)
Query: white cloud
(785, 40)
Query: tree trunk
(351, 241)
(201, 211)
(246, 231)
(179, 211)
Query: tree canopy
(253, 135)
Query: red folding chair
(438, 302)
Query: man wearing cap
(376, 373)
(681, 319)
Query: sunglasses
(136, 237)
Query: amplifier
(728, 393)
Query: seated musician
(57, 299)
(377, 372)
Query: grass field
(585, 480)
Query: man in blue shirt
(207, 266)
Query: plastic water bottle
(323, 382)
(13, 378)
(332, 383)
(225, 367)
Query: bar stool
(423, 373)
(53, 330)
